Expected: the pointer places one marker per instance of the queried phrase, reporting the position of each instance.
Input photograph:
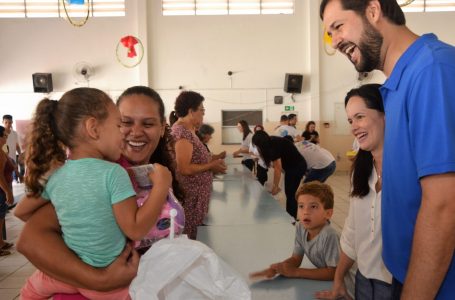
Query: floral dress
(197, 187)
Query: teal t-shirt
(83, 192)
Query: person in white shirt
(13, 143)
(320, 162)
(261, 167)
(361, 239)
(285, 129)
(244, 150)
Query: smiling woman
(363, 243)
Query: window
(55, 9)
(429, 5)
(226, 7)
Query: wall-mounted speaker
(293, 83)
(278, 99)
(42, 82)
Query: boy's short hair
(8, 117)
(319, 190)
(283, 118)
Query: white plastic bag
(186, 269)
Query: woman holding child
(361, 239)
(146, 140)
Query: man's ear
(373, 11)
(91, 128)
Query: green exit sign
(288, 108)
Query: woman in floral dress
(194, 163)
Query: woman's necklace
(378, 170)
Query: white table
(249, 248)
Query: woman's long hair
(362, 165)
(245, 128)
(262, 142)
(164, 153)
(307, 126)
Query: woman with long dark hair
(361, 239)
(310, 134)
(244, 149)
(281, 154)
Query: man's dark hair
(283, 118)
(8, 117)
(390, 8)
(291, 116)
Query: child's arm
(291, 268)
(27, 207)
(338, 289)
(273, 269)
(136, 222)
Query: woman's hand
(160, 176)
(222, 155)
(218, 166)
(236, 154)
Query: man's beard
(370, 49)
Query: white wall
(51, 45)
(197, 52)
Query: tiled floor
(15, 268)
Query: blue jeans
(320, 174)
(371, 288)
(396, 289)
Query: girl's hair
(307, 127)
(185, 101)
(319, 190)
(262, 141)
(362, 165)
(2, 131)
(164, 152)
(245, 128)
(55, 127)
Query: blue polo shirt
(419, 102)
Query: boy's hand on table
(285, 269)
(267, 273)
